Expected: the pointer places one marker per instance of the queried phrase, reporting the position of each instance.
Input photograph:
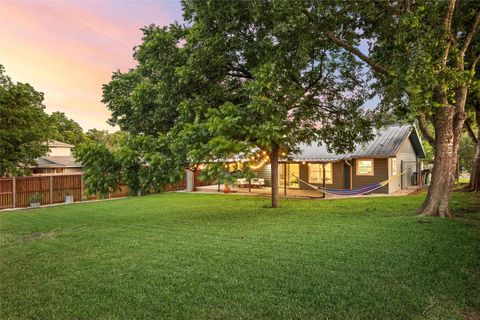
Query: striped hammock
(351, 192)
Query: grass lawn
(197, 256)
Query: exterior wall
(43, 170)
(408, 157)
(265, 172)
(59, 151)
(56, 170)
(338, 181)
(381, 167)
(380, 171)
(304, 176)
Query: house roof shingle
(58, 162)
(387, 143)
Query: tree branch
(341, 43)
(469, 36)
(239, 75)
(474, 63)
(467, 126)
(345, 45)
(239, 71)
(447, 25)
(424, 130)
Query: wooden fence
(15, 192)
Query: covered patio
(292, 192)
(265, 191)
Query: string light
(259, 165)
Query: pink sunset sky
(67, 50)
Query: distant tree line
(240, 77)
(25, 127)
(269, 75)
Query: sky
(68, 49)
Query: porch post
(419, 174)
(285, 178)
(351, 175)
(323, 168)
(401, 178)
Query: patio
(292, 192)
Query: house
(59, 159)
(393, 154)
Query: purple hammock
(351, 192)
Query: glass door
(291, 174)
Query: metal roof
(387, 143)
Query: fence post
(51, 189)
(81, 187)
(14, 191)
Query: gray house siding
(264, 172)
(392, 142)
(337, 176)
(405, 156)
(380, 171)
(341, 175)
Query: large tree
(417, 53)
(65, 129)
(472, 126)
(271, 85)
(24, 127)
(240, 78)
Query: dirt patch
(417, 190)
(470, 315)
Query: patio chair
(242, 183)
(257, 183)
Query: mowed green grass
(195, 256)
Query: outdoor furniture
(242, 183)
(257, 183)
(254, 183)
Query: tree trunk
(448, 124)
(274, 165)
(474, 183)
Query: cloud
(69, 49)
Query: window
(394, 166)
(365, 167)
(315, 173)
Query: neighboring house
(395, 149)
(59, 159)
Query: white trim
(357, 161)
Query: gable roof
(55, 143)
(386, 143)
(57, 162)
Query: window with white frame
(315, 173)
(394, 166)
(365, 167)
